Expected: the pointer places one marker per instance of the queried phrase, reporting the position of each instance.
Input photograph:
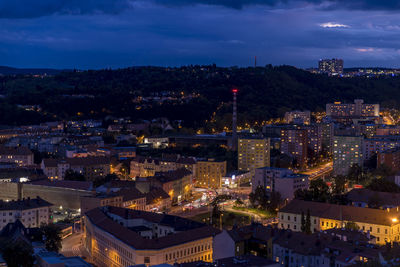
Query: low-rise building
(90, 167)
(383, 224)
(373, 199)
(284, 181)
(124, 237)
(100, 200)
(22, 156)
(31, 212)
(176, 183)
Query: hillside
(194, 92)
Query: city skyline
(116, 34)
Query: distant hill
(198, 96)
(32, 71)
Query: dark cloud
(31, 8)
(329, 4)
(38, 8)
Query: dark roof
(245, 260)
(156, 193)
(322, 243)
(15, 150)
(24, 204)
(100, 218)
(165, 177)
(340, 212)
(130, 193)
(77, 185)
(87, 161)
(364, 195)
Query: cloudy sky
(118, 33)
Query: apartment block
(209, 173)
(294, 142)
(253, 153)
(347, 150)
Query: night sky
(118, 33)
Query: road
(319, 171)
(73, 246)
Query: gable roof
(341, 212)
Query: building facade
(31, 212)
(331, 66)
(122, 237)
(383, 224)
(209, 173)
(280, 180)
(347, 150)
(253, 153)
(294, 142)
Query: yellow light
(394, 220)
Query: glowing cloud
(364, 50)
(333, 25)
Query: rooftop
(345, 213)
(187, 230)
(24, 204)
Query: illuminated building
(253, 153)
(379, 144)
(294, 143)
(279, 180)
(347, 150)
(331, 66)
(122, 237)
(178, 183)
(383, 224)
(209, 173)
(31, 212)
(21, 156)
(390, 158)
(357, 109)
(298, 117)
(90, 167)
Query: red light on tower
(234, 90)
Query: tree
(104, 179)
(239, 202)
(383, 171)
(18, 254)
(303, 222)
(52, 237)
(319, 190)
(274, 201)
(355, 173)
(72, 175)
(259, 198)
(374, 202)
(308, 223)
(383, 185)
(352, 226)
(339, 185)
